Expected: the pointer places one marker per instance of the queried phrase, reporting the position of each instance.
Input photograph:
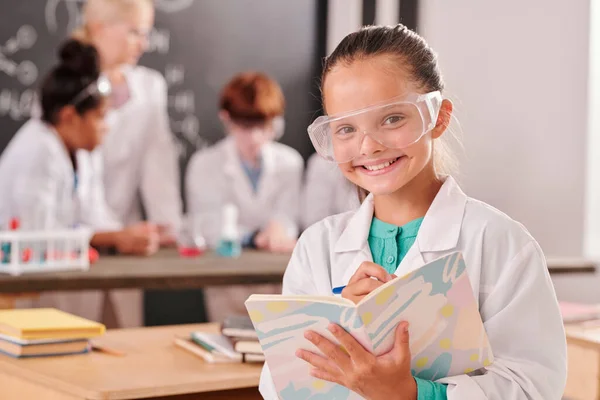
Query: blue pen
(338, 290)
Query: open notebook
(447, 336)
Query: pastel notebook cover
(447, 336)
(47, 323)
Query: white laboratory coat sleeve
(37, 194)
(197, 199)
(316, 195)
(93, 209)
(287, 207)
(526, 333)
(205, 197)
(159, 171)
(319, 192)
(326, 192)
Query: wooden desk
(165, 270)
(583, 347)
(153, 367)
(570, 265)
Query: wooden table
(558, 265)
(165, 270)
(153, 367)
(583, 347)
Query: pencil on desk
(106, 350)
(189, 346)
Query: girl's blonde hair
(107, 11)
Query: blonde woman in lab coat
(250, 170)
(325, 192)
(138, 154)
(140, 163)
(385, 120)
(48, 178)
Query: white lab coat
(508, 273)
(37, 183)
(37, 186)
(214, 177)
(140, 160)
(326, 191)
(141, 168)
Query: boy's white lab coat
(141, 168)
(326, 191)
(38, 188)
(508, 273)
(215, 177)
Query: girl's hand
(362, 282)
(387, 377)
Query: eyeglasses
(396, 123)
(272, 130)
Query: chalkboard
(198, 45)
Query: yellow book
(47, 323)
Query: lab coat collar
(447, 210)
(50, 130)
(233, 163)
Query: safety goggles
(273, 130)
(396, 124)
(101, 87)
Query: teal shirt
(389, 245)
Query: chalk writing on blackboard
(26, 72)
(16, 104)
(73, 14)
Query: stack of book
(241, 333)
(45, 332)
(236, 343)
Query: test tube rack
(24, 251)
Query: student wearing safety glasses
(250, 170)
(384, 128)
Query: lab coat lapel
(267, 183)
(440, 230)
(238, 183)
(352, 247)
(447, 211)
